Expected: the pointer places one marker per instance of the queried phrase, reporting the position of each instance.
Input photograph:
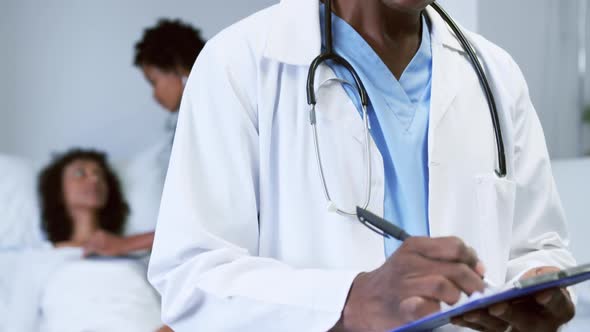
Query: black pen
(388, 229)
(385, 227)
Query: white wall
(7, 75)
(463, 11)
(66, 74)
(541, 35)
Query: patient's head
(166, 53)
(79, 187)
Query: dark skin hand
(543, 312)
(412, 283)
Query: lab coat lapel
(445, 87)
(294, 35)
(446, 51)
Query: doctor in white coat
(244, 240)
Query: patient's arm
(107, 244)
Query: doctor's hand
(411, 284)
(546, 311)
(105, 244)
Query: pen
(388, 229)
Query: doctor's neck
(379, 16)
(379, 19)
(393, 28)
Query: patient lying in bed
(83, 206)
(83, 209)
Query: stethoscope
(329, 54)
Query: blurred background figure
(81, 195)
(82, 205)
(166, 54)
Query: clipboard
(560, 279)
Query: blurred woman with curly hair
(82, 205)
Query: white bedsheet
(55, 290)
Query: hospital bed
(103, 294)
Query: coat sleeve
(540, 236)
(205, 261)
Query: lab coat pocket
(495, 216)
(495, 198)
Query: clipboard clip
(553, 276)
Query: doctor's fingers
(462, 276)
(416, 307)
(451, 249)
(435, 287)
(486, 321)
(525, 317)
(557, 302)
(481, 326)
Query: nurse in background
(165, 54)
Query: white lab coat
(244, 241)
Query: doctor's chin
(295, 165)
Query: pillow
(142, 179)
(19, 211)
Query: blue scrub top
(398, 113)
